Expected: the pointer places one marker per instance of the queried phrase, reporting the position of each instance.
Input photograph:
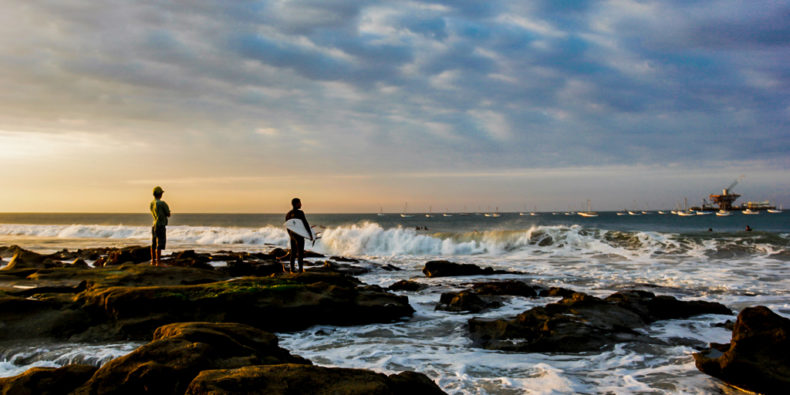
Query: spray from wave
(371, 239)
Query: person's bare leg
(153, 256)
(158, 257)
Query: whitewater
(667, 255)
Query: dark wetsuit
(297, 242)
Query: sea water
(692, 258)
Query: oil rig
(725, 201)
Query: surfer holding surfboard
(298, 230)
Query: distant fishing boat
(381, 211)
(749, 212)
(686, 212)
(704, 212)
(723, 213)
(634, 213)
(623, 212)
(661, 212)
(430, 213)
(775, 211)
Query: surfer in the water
(297, 242)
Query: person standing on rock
(160, 211)
(297, 242)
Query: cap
(158, 189)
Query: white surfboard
(297, 226)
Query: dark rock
(179, 352)
(128, 254)
(581, 322)
(653, 308)
(24, 259)
(513, 288)
(329, 266)
(43, 381)
(286, 302)
(344, 259)
(390, 268)
(407, 285)
(758, 356)
(555, 291)
(190, 258)
(252, 268)
(78, 263)
(464, 301)
(306, 379)
(446, 269)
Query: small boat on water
(688, 213)
(619, 213)
(704, 212)
(661, 212)
(589, 213)
(749, 212)
(634, 213)
(775, 211)
(723, 213)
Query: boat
(774, 210)
(381, 211)
(430, 212)
(686, 212)
(723, 213)
(622, 212)
(634, 212)
(403, 214)
(661, 212)
(749, 212)
(703, 212)
(589, 213)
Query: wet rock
(179, 352)
(511, 288)
(306, 379)
(581, 322)
(447, 269)
(758, 356)
(251, 268)
(556, 291)
(135, 254)
(78, 263)
(189, 258)
(653, 308)
(286, 302)
(25, 259)
(43, 381)
(344, 259)
(329, 266)
(407, 285)
(465, 301)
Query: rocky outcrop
(288, 302)
(47, 381)
(306, 379)
(507, 288)
(581, 322)
(24, 259)
(465, 301)
(179, 352)
(758, 356)
(447, 269)
(407, 285)
(134, 254)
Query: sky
(364, 105)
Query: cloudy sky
(236, 106)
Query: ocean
(702, 257)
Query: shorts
(158, 237)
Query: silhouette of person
(297, 242)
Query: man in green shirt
(160, 211)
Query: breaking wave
(371, 239)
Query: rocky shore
(207, 319)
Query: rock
(343, 259)
(190, 258)
(653, 308)
(344, 268)
(287, 302)
(407, 285)
(581, 322)
(135, 254)
(464, 301)
(446, 269)
(179, 352)
(43, 381)
(306, 379)
(512, 288)
(24, 259)
(758, 356)
(251, 268)
(24, 317)
(555, 291)
(78, 263)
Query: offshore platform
(726, 201)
